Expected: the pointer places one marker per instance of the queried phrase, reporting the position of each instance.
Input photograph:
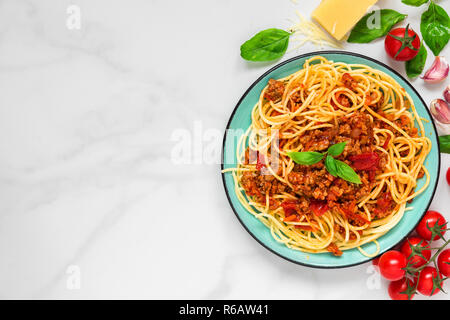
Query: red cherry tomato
(402, 44)
(448, 176)
(395, 287)
(391, 264)
(430, 219)
(444, 262)
(425, 281)
(416, 260)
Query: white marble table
(91, 203)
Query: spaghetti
(325, 103)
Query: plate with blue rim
(240, 120)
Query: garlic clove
(447, 94)
(440, 111)
(438, 71)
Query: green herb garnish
(435, 28)
(415, 66)
(415, 3)
(336, 149)
(306, 158)
(364, 31)
(344, 171)
(335, 167)
(444, 144)
(331, 165)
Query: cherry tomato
(402, 44)
(444, 262)
(395, 287)
(430, 219)
(416, 261)
(425, 281)
(391, 264)
(448, 176)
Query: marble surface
(92, 203)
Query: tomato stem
(413, 271)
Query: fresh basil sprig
(415, 66)
(335, 167)
(266, 45)
(444, 143)
(435, 28)
(415, 3)
(365, 32)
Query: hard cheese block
(339, 16)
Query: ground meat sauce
(334, 250)
(314, 183)
(349, 82)
(274, 91)
(258, 185)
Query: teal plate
(240, 119)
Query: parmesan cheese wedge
(338, 17)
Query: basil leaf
(435, 28)
(346, 172)
(330, 164)
(266, 45)
(415, 66)
(337, 149)
(415, 3)
(444, 144)
(306, 158)
(366, 30)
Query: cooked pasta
(313, 207)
